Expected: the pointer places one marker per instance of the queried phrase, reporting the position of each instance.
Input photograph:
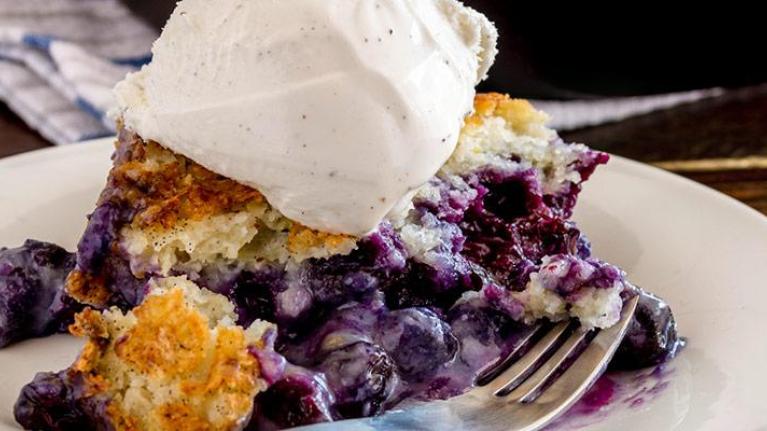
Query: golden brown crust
(169, 338)
(90, 324)
(165, 187)
(302, 238)
(178, 416)
(120, 420)
(233, 371)
(87, 288)
(520, 114)
(169, 343)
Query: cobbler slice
(411, 311)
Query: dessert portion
(414, 310)
(325, 166)
(177, 361)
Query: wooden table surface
(721, 142)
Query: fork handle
(431, 416)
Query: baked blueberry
(33, 302)
(362, 376)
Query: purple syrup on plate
(613, 391)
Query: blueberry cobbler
(412, 311)
(213, 299)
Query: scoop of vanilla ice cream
(333, 109)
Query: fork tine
(523, 367)
(575, 381)
(589, 361)
(532, 387)
(567, 388)
(594, 359)
(494, 370)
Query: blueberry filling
(299, 398)
(362, 376)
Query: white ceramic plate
(705, 253)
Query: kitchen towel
(59, 60)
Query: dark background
(579, 48)
(585, 49)
(564, 50)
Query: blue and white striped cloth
(59, 60)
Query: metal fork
(546, 375)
